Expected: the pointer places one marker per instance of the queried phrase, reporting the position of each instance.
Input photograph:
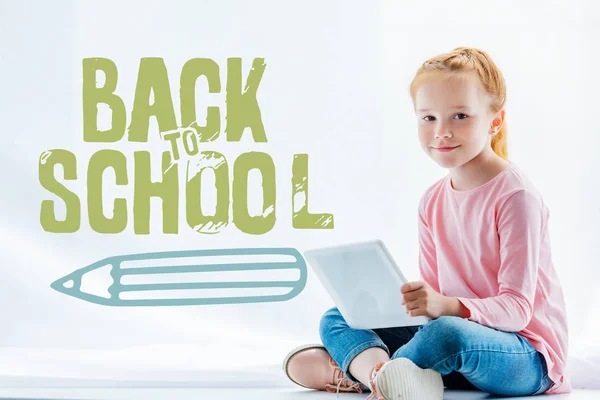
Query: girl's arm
(427, 258)
(520, 224)
(428, 268)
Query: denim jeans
(468, 355)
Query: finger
(411, 286)
(410, 296)
(417, 312)
(413, 305)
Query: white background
(335, 87)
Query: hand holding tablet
(364, 283)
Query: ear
(497, 122)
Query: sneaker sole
(402, 379)
(293, 353)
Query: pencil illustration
(191, 277)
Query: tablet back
(364, 283)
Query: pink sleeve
(520, 227)
(427, 257)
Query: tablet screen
(362, 281)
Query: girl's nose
(445, 133)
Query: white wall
(335, 87)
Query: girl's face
(442, 124)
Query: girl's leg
(357, 351)
(497, 362)
(400, 336)
(362, 365)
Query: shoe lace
(375, 395)
(343, 383)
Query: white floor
(226, 393)
(267, 383)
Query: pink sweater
(489, 247)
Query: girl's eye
(425, 118)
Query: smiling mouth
(445, 148)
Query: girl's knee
(435, 341)
(329, 319)
(448, 322)
(448, 332)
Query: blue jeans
(468, 355)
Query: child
(498, 320)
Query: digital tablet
(364, 283)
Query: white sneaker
(401, 379)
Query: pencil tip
(61, 283)
(66, 284)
